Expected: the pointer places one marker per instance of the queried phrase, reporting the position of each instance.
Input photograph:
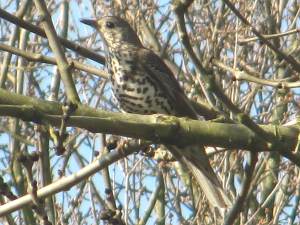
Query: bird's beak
(90, 22)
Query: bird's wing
(192, 157)
(164, 77)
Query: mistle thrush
(143, 84)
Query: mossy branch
(155, 128)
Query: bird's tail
(197, 162)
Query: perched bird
(143, 84)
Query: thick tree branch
(156, 128)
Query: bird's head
(114, 31)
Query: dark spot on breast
(130, 89)
(148, 100)
(160, 94)
(126, 102)
(133, 67)
(134, 79)
(141, 81)
(170, 105)
(145, 89)
(128, 109)
(150, 81)
(138, 90)
(165, 109)
(126, 88)
(125, 96)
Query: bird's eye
(110, 25)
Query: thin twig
(265, 203)
(288, 58)
(268, 36)
(37, 30)
(180, 8)
(243, 75)
(240, 200)
(62, 63)
(35, 57)
(7, 57)
(152, 200)
(67, 182)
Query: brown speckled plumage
(143, 84)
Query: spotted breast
(135, 90)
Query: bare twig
(240, 200)
(35, 57)
(243, 75)
(67, 182)
(268, 36)
(288, 58)
(180, 9)
(7, 57)
(37, 30)
(152, 200)
(62, 63)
